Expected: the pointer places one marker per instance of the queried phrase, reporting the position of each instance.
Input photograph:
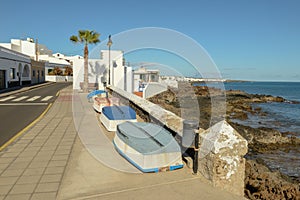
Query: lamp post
(109, 43)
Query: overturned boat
(147, 146)
(113, 115)
(100, 102)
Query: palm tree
(86, 37)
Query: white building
(52, 62)
(38, 52)
(120, 75)
(15, 68)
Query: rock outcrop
(261, 183)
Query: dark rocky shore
(261, 181)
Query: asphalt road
(19, 110)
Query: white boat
(147, 146)
(100, 102)
(111, 116)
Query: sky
(246, 39)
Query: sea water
(284, 117)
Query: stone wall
(221, 157)
(222, 149)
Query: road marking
(34, 98)
(46, 98)
(25, 129)
(20, 98)
(7, 98)
(23, 104)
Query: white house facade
(15, 68)
(98, 71)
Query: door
(2, 79)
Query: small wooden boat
(95, 93)
(147, 146)
(100, 102)
(113, 115)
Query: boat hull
(156, 161)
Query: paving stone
(47, 187)
(64, 147)
(48, 178)
(29, 179)
(60, 157)
(4, 190)
(42, 158)
(30, 148)
(28, 154)
(57, 163)
(8, 180)
(18, 165)
(62, 152)
(44, 196)
(4, 166)
(34, 171)
(12, 172)
(18, 197)
(6, 160)
(10, 155)
(23, 159)
(49, 148)
(38, 164)
(54, 170)
(23, 189)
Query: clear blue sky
(253, 40)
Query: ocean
(284, 117)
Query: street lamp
(109, 43)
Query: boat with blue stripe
(148, 147)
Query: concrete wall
(222, 149)
(59, 78)
(221, 157)
(152, 89)
(37, 72)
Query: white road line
(20, 98)
(23, 104)
(7, 98)
(34, 98)
(46, 98)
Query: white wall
(13, 60)
(153, 88)
(98, 71)
(59, 78)
(6, 45)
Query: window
(12, 73)
(33, 73)
(42, 73)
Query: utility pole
(36, 50)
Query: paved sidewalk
(50, 162)
(33, 166)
